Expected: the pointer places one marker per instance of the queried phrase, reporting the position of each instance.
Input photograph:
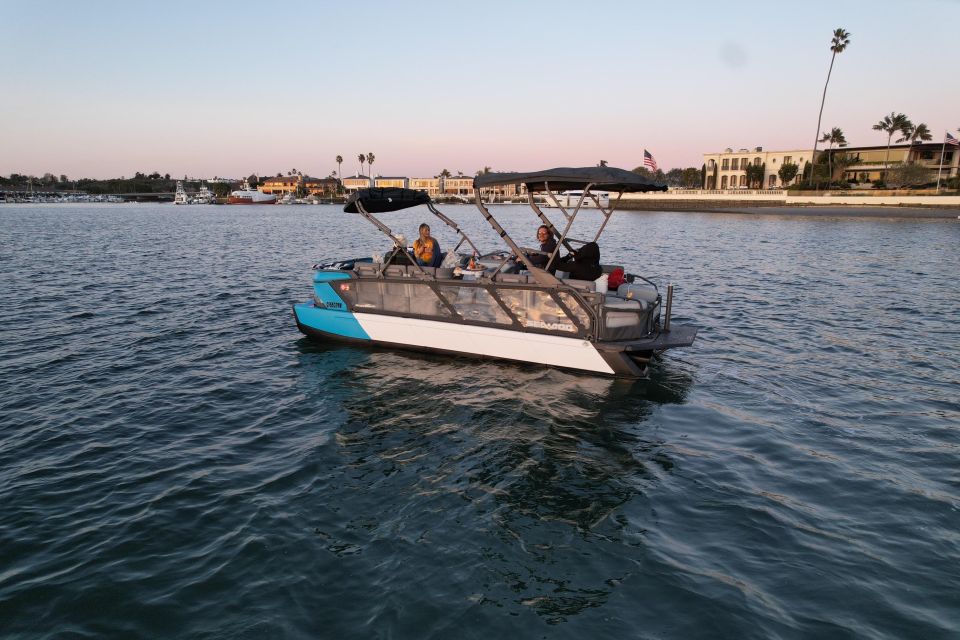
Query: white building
(728, 169)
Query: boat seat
(582, 285)
(638, 291)
(612, 301)
(622, 313)
(398, 270)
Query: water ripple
(176, 460)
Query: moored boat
(569, 199)
(506, 307)
(246, 195)
(204, 196)
(180, 197)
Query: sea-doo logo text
(550, 326)
(333, 305)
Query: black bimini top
(381, 200)
(567, 178)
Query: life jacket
(424, 250)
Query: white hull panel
(572, 353)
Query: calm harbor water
(177, 460)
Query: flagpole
(940, 168)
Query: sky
(104, 89)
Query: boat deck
(679, 336)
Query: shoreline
(756, 207)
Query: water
(177, 460)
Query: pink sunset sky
(229, 89)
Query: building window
(734, 163)
(787, 159)
(756, 162)
(723, 182)
(726, 164)
(773, 181)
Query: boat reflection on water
(528, 468)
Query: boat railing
(517, 301)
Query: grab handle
(666, 318)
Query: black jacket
(584, 263)
(547, 247)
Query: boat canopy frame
(365, 201)
(584, 179)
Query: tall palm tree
(362, 158)
(835, 137)
(370, 159)
(838, 43)
(340, 170)
(890, 125)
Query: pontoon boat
(504, 308)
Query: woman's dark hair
(543, 226)
(420, 228)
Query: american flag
(951, 140)
(648, 160)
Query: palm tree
(916, 132)
(841, 39)
(890, 125)
(835, 137)
(362, 158)
(339, 169)
(370, 159)
(603, 163)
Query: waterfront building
(291, 184)
(458, 185)
(353, 183)
(390, 182)
(867, 163)
(433, 187)
(728, 169)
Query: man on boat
(426, 250)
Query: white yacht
(569, 199)
(181, 196)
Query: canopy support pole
(386, 230)
(542, 277)
(570, 218)
(453, 225)
(543, 217)
(606, 213)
